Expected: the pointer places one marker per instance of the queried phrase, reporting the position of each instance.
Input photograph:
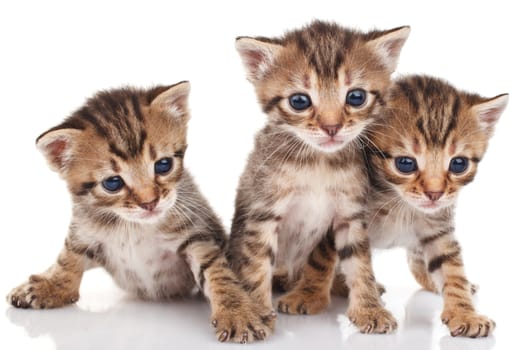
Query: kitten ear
(489, 111)
(174, 100)
(388, 46)
(57, 147)
(257, 56)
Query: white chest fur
(401, 227)
(315, 196)
(143, 261)
(393, 230)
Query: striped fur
(157, 236)
(431, 121)
(302, 182)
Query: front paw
(41, 293)
(372, 320)
(300, 302)
(243, 323)
(467, 324)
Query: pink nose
(149, 206)
(331, 130)
(433, 195)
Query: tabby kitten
(320, 87)
(137, 212)
(424, 150)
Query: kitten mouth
(149, 215)
(331, 143)
(425, 205)
(430, 205)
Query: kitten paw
(372, 320)
(467, 324)
(243, 324)
(41, 293)
(300, 302)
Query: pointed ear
(388, 46)
(174, 100)
(57, 146)
(257, 56)
(489, 111)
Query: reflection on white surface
(109, 319)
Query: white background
(54, 55)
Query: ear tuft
(57, 147)
(174, 100)
(489, 112)
(389, 45)
(257, 56)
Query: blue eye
(163, 166)
(458, 165)
(113, 184)
(406, 165)
(356, 98)
(300, 102)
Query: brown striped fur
(431, 121)
(157, 236)
(304, 182)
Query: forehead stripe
(136, 107)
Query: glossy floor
(107, 318)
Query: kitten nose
(149, 206)
(433, 195)
(331, 130)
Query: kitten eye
(300, 102)
(113, 184)
(356, 98)
(163, 166)
(458, 165)
(406, 165)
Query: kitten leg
(235, 316)
(445, 264)
(252, 254)
(281, 282)
(311, 295)
(420, 271)
(340, 289)
(56, 287)
(365, 308)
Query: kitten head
(431, 139)
(323, 82)
(121, 154)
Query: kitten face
(122, 153)
(430, 141)
(322, 83)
